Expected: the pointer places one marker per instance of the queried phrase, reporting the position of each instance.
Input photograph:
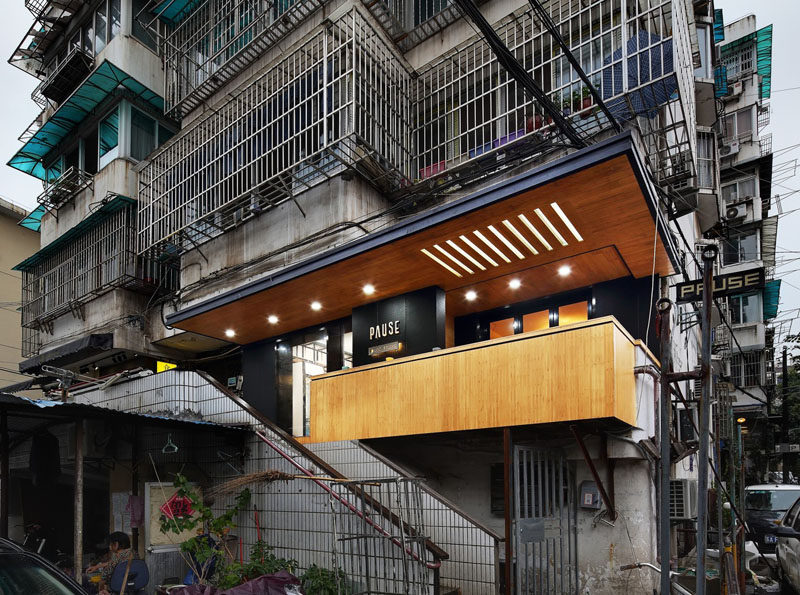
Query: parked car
(763, 505)
(788, 549)
(22, 571)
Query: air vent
(682, 499)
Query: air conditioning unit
(682, 499)
(729, 149)
(736, 211)
(736, 88)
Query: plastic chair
(138, 577)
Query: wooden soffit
(601, 191)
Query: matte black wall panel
(259, 368)
(628, 300)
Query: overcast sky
(17, 111)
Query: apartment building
(748, 242)
(408, 243)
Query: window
(502, 328)
(740, 62)
(100, 28)
(88, 36)
(143, 134)
(746, 368)
(703, 37)
(739, 189)
(745, 309)
(740, 248)
(739, 124)
(114, 20)
(706, 158)
(571, 313)
(536, 321)
(108, 137)
(141, 17)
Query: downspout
(348, 505)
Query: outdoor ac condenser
(682, 499)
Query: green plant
(262, 561)
(321, 581)
(203, 553)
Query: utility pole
(785, 416)
(664, 307)
(709, 256)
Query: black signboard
(730, 284)
(402, 325)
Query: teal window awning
(173, 12)
(90, 93)
(99, 215)
(772, 295)
(719, 26)
(34, 219)
(763, 41)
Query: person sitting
(119, 552)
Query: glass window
(108, 137)
(571, 313)
(536, 321)
(140, 32)
(143, 134)
(114, 19)
(88, 36)
(308, 359)
(740, 248)
(745, 308)
(744, 122)
(100, 23)
(501, 328)
(739, 189)
(75, 41)
(770, 500)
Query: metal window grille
(102, 258)
(706, 160)
(740, 62)
(221, 38)
(339, 101)
(344, 101)
(410, 22)
(66, 186)
(747, 368)
(765, 144)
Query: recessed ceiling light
(272, 319)
(471, 295)
(564, 270)
(230, 333)
(369, 289)
(515, 284)
(316, 306)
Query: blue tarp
(98, 85)
(649, 83)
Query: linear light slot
(535, 231)
(508, 244)
(438, 260)
(454, 259)
(465, 254)
(520, 237)
(472, 245)
(566, 221)
(551, 227)
(486, 241)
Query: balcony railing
(87, 265)
(65, 187)
(220, 39)
(577, 372)
(338, 102)
(66, 77)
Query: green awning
(96, 218)
(34, 219)
(763, 41)
(719, 26)
(98, 85)
(173, 12)
(772, 294)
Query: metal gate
(544, 515)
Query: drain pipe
(430, 565)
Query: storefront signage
(730, 284)
(398, 326)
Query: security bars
(339, 101)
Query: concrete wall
(16, 244)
